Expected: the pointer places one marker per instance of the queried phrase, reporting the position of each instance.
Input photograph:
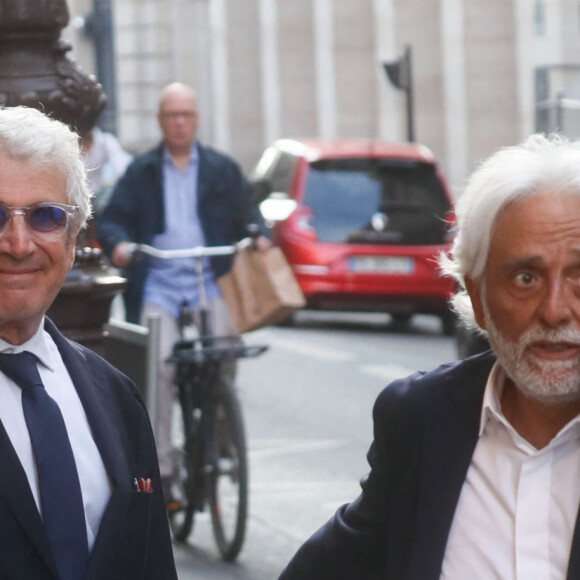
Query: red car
(361, 223)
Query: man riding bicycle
(179, 195)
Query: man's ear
(71, 247)
(70, 259)
(475, 294)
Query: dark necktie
(60, 491)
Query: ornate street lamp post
(36, 71)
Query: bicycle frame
(202, 392)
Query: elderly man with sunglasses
(80, 492)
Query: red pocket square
(142, 485)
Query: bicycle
(210, 456)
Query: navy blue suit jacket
(133, 541)
(135, 212)
(425, 432)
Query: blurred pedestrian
(106, 161)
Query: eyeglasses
(175, 115)
(46, 221)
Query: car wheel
(448, 323)
(400, 320)
(469, 342)
(286, 321)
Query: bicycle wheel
(228, 474)
(181, 504)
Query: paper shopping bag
(260, 289)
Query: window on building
(539, 17)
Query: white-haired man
(80, 491)
(475, 467)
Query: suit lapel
(448, 444)
(574, 562)
(94, 393)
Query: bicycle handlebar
(197, 252)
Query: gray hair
(30, 136)
(541, 164)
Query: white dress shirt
(95, 486)
(517, 509)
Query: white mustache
(538, 334)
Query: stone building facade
(265, 69)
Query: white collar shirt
(169, 283)
(95, 485)
(518, 505)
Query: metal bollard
(152, 386)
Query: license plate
(382, 265)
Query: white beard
(548, 381)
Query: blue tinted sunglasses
(46, 220)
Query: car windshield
(376, 201)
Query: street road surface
(307, 404)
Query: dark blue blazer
(136, 212)
(425, 431)
(133, 541)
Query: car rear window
(372, 201)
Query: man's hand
(121, 255)
(262, 243)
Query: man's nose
(559, 304)
(16, 238)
